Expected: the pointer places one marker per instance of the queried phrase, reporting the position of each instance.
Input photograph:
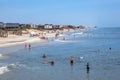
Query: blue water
(92, 46)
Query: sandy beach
(14, 40)
(14, 43)
(19, 40)
(24, 63)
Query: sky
(101, 13)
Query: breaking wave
(7, 68)
(59, 40)
(4, 70)
(0, 55)
(79, 33)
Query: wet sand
(13, 40)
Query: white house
(48, 26)
(34, 26)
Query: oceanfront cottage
(10, 28)
(3, 33)
(51, 26)
(1, 25)
(48, 27)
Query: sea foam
(4, 70)
(58, 40)
(0, 55)
(79, 33)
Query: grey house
(1, 25)
(12, 26)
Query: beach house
(1, 25)
(48, 26)
(10, 26)
(3, 33)
(40, 27)
(34, 26)
(13, 28)
(51, 27)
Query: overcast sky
(101, 13)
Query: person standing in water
(52, 62)
(29, 46)
(44, 56)
(71, 60)
(25, 45)
(110, 48)
(87, 67)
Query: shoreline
(14, 47)
(21, 42)
(14, 41)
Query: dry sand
(13, 40)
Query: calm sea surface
(91, 46)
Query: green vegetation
(26, 27)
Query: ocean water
(90, 46)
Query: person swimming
(44, 62)
(52, 62)
(44, 56)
